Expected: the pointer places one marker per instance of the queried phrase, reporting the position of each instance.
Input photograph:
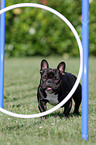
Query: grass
(20, 88)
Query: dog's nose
(49, 81)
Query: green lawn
(21, 82)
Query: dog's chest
(52, 98)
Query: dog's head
(51, 79)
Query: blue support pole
(2, 48)
(85, 44)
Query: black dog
(55, 84)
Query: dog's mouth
(49, 90)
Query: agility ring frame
(81, 59)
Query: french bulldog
(54, 86)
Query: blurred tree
(44, 2)
(32, 31)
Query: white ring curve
(81, 59)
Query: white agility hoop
(81, 59)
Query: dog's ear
(61, 67)
(44, 65)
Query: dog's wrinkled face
(51, 78)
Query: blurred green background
(36, 32)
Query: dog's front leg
(42, 106)
(67, 107)
(41, 102)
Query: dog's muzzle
(49, 90)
